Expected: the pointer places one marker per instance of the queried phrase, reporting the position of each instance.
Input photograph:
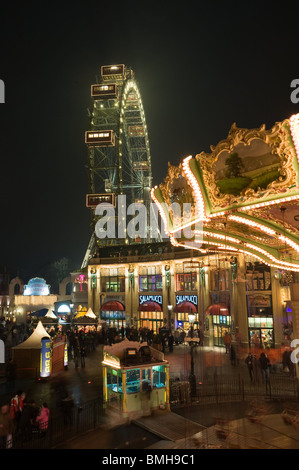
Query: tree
(234, 165)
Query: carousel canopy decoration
(243, 197)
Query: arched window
(69, 288)
(17, 289)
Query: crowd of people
(20, 418)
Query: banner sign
(45, 357)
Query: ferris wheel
(118, 151)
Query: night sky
(200, 67)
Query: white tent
(34, 341)
(50, 314)
(90, 314)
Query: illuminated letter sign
(45, 357)
(186, 298)
(150, 298)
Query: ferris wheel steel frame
(118, 157)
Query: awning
(113, 306)
(40, 313)
(217, 309)
(150, 307)
(185, 307)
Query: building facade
(234, 294)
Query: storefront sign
(150, 298)
(45, 357)
(186, 298)
(37, 286)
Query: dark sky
(200, 67)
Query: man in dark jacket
(264, 365)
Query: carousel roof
(244, 196)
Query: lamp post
(192, 380)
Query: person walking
(170, 342)
(82, 354)
(256, 370)
(6, 427)
(43, 419)
(25, 424)
(264, 364)
(227, 342)
(248, 362)
(163, 341)
(233, 356)
(76, 356)
(16, 408)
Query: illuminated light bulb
(195, 187)
(163, 216)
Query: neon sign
(150, 298)
(186, 298)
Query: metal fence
(63, 425)
(218, 389)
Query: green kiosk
(135, 379)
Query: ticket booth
(135, 379)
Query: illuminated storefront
(113, 313)
(150, 312)
(186, 304)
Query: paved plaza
(191, 426)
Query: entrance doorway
(261, 337)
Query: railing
(63, 425)
(218, 389)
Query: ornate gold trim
(278, 140)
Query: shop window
(186, 282)
(258, 276)
(220, 280)
(114, 380)
(260, 322)
(159, 377)
(113, 283)
(150, 282)
(259, 304)
(133, 380)
(146, 380)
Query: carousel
(237, 209)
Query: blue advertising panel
(45, 357)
